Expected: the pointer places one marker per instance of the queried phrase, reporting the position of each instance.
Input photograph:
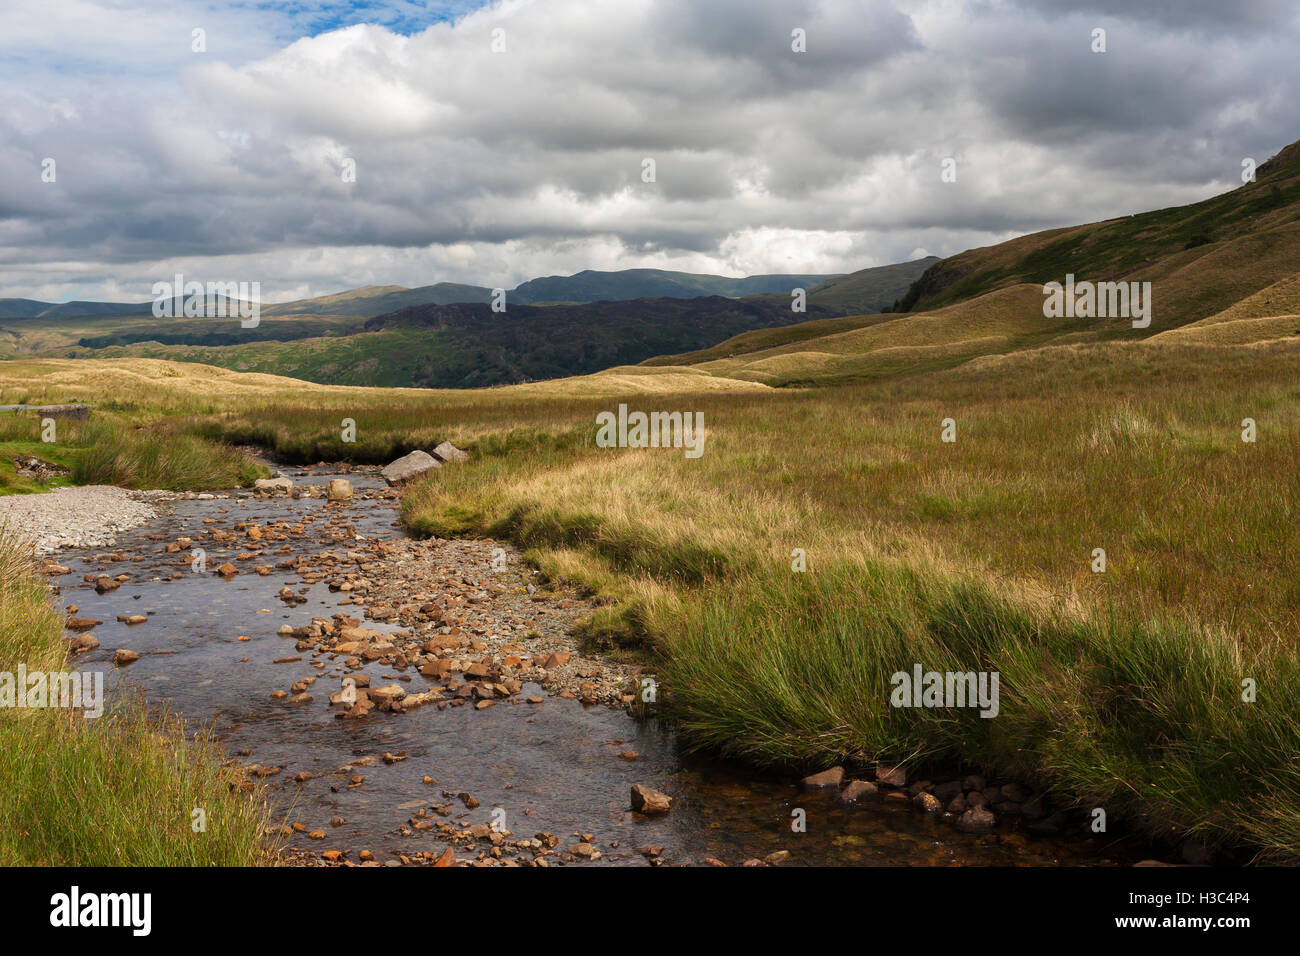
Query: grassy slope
(1201, 257)
(1002, 321)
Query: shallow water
(550, 767)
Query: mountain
(447, 335)
(1224, 271)
(870, 290)
(467, 344)
(375, 300)
(1200, 258)
(372, 300)
(32, 309)
(591, 286)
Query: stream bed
(552, 767)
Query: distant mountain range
(446, 335)
(368, 301)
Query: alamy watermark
(922, 688)
(130, 910)
(40, 689)
(1099, 300)
(652, 430)
(216, 300)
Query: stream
(551, 767)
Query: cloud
(493, 167)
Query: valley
(832, 532)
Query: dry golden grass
(994, 322)
(189, 387)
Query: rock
(957, 805)
(122, 657)
(857, 789)
(972, 782)
(826, 779)
(1015, 793)
(449, 452)
(556, 660)
(777, 858)
(650, 801)
(81, 623)
(273, 486)
(928, 802)
(339, 489)
(976, 820)
(946, 791)
(1032, 809)
(83, 643)
(448, 858)
(227, 570)
(409, 466)
(891, 776)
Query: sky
(318, 146)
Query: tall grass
(160, 457)
(1143, 718)
(117, 790)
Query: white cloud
(491, 168)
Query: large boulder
(409, 466)
(449, 452)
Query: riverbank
(130, 787)
(77, 516)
